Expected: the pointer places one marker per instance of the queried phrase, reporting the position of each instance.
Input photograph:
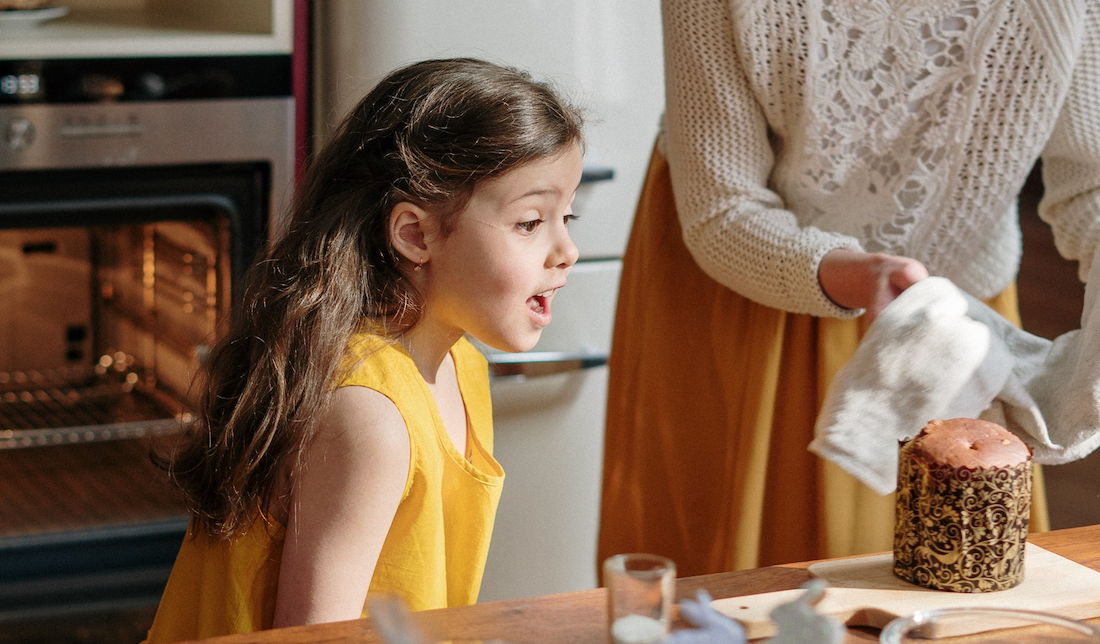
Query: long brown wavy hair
(428, 133)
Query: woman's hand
(858, 280)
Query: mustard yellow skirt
(711, 404)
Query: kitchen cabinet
(128, 28)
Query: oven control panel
(95, 113)
(106, 80)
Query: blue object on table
(710, 626)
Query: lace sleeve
(738, 230)
(1071, 158)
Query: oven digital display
(144, 79)
(20, 85)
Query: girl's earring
(418, 267)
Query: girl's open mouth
(541, 303)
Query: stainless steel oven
(133, 195)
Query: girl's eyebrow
(538, 192)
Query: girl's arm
(739, 232)
(1071, 158)
(342, 505)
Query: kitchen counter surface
(580, 617)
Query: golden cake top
(969, 442)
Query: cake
(962, 507)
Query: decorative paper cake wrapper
(961, 529)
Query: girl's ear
(408, 224)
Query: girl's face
(495, 275)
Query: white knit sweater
(794, 127)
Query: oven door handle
(531, 364)
(596, 174)
(98, 130)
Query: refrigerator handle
(541, 363)
(595, 174)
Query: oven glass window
(105, 325)
(112, 306)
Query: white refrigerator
(549, 420)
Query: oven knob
(20, 134)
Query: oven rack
(166, 334)
(82, 405)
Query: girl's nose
(565, 253)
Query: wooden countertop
(580, 617)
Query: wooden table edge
(580, 617)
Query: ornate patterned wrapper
(958, 528)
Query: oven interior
(104, 326)
(114, 284)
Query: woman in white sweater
(819, 157)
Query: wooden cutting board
(863, 591)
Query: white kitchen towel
(935, 353)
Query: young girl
(345, 438)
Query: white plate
(19, 19)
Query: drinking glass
(640, 588)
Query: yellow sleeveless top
(434, 553)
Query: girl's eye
(529, 226)
(571, 217)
